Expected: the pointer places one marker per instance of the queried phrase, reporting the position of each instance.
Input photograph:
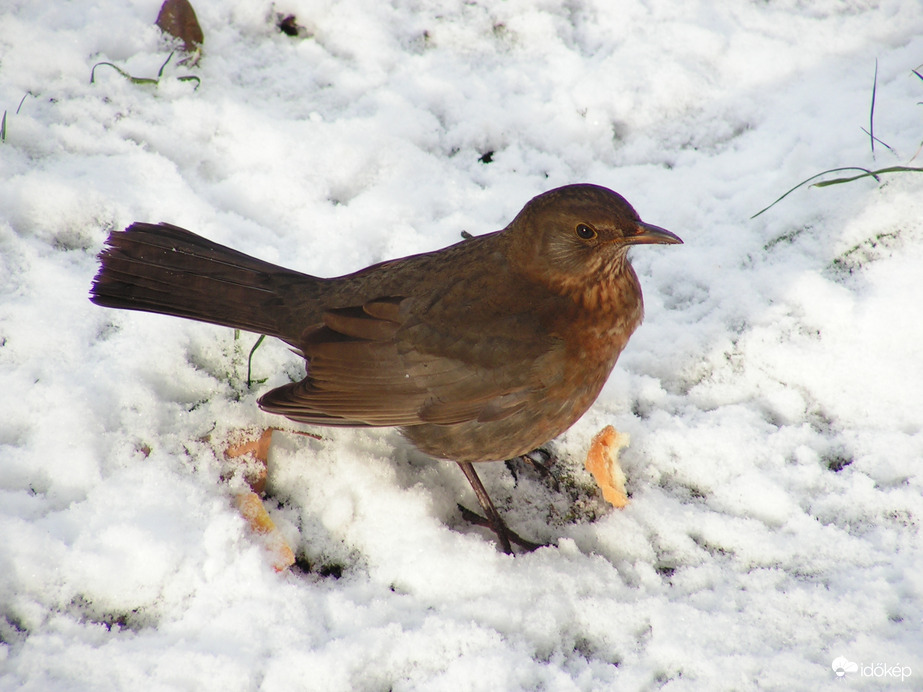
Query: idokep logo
(841, 666)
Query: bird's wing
(387, 363)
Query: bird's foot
(493, 519)
(505, 534)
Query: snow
(774, 394)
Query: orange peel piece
(259, 448)
(603, 462)
(251, 508)
(250, 505)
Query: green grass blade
(865, 173)
(873, 174)
(872, 110)
(250, 360)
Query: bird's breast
(595, 328)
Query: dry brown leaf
(603, 462)
(252, 509)
(178, 19)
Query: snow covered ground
(774, 395)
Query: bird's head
(578, 234)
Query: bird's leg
(493, 520)
(493, 516)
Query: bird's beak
(648, 234)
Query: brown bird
(482, 351)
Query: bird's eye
(584, 232)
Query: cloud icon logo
(841, 666)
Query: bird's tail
(168, 270)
